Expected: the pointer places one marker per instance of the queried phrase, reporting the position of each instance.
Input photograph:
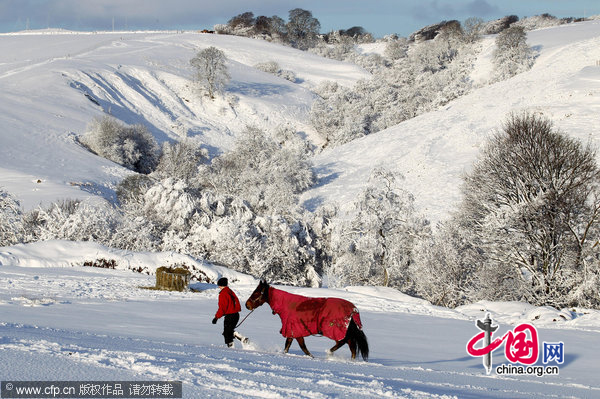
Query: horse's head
(259, 296)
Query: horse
(302, 316)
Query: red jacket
(228, 303)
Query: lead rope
(244, 319)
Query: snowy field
(63, 321)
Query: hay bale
(172, 279)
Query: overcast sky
(379, 17)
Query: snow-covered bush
(538, 22)
(261, 27)
(180, 161)
(512, 54)
(499, 25)
(337, 48)
(131, 146)
(273, 68)
(11, 220)
(132, 187)
(170, 204)
(432, 74)
(74, 220)
(172, 215)
(268, 173)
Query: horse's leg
(303, 346)
(337, 346)
(288, 343)
(352, 345)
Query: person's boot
(241, 337)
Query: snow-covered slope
(54, 83)
(434, 150)
(61, 321)
(49, 79)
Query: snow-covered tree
(286, 254)
(396, 48)
(131, 146)
(211, 72)
(11, 220)
(302, 28)
(473, 29)
(512, 54)
(531, 206)
(443, 268)
(375, 246)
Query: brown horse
(301, 316)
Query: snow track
(214, 371)
(82, 323)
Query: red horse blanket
(302, 316)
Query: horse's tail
(357, 338)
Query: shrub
(273, 68)
(74, 220)
(132, 187)
(180, 160)
(267, 171)
(130, 146)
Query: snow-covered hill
(61, 321)
(54, 83)
(434, 150)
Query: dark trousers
(229, 324)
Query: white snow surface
(63, 321)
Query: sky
(380, 17)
